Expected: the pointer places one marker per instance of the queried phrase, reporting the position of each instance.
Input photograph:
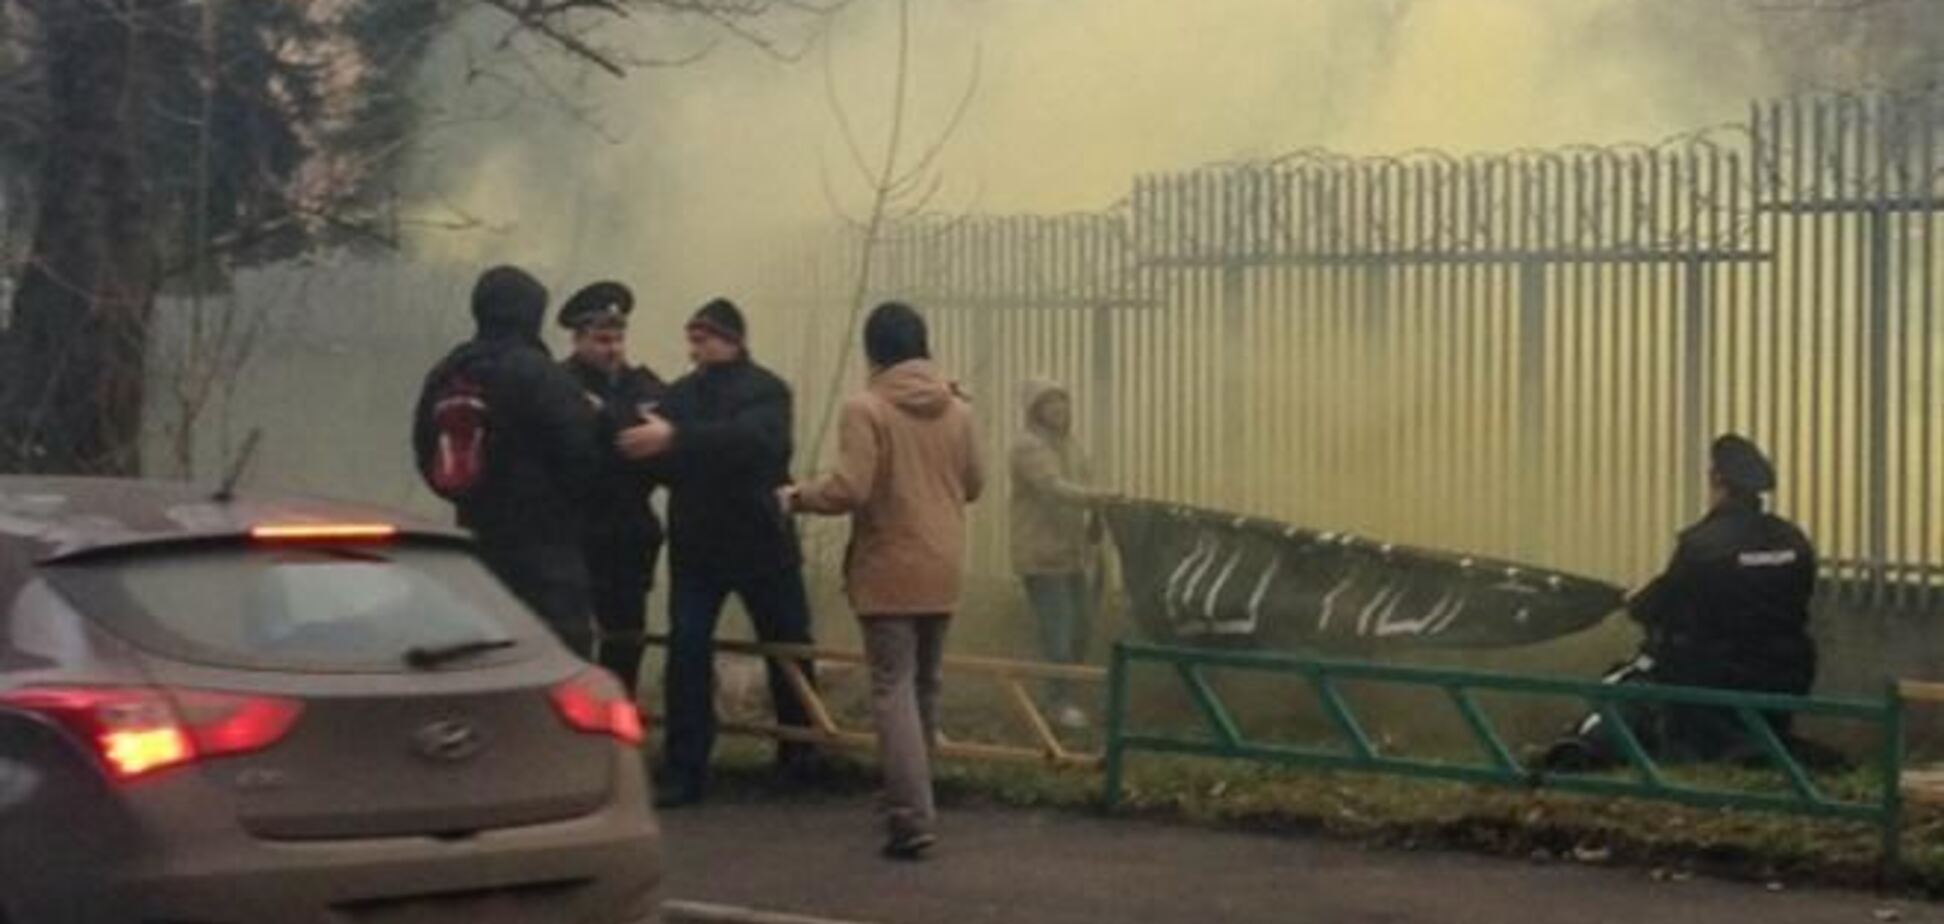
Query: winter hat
(895, 333)
(507, 299)
(722, 318)
(1741, 466)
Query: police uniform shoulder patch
(1774, 558)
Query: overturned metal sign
(1202, 576)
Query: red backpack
(462, 419)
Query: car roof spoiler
(172, 542)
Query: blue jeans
(1064, 607)
(780, 610)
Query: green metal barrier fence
(1499, 766)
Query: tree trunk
(74, 395)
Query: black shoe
(804, 768)
(677, 795)
(1569, 756)
(909, 847)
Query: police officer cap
(1741, 465)
(603, 304)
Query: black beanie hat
(1741, 466)
(895, 333)
(722, 318)
(509, 299)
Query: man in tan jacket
(908, 466)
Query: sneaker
(1072, 718)
(910, 846)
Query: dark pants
(552, 581)
(780, 610)
(1064, 608)
(1684, 732)
(906, 655)
(622, 574)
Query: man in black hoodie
(722, 443)
(527, 505)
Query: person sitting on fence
(1730, 612)
(908, 464)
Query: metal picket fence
(1644, 777)
(1520, 355)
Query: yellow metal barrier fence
(1008, 677)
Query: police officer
(624, 537)
(1730, 612)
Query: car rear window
(357, 609)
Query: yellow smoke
(1076, 98)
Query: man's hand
(647, 440)
(788, 498)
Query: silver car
(266, 709)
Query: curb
(702, 913)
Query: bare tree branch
(892, 190)
(540, 18)
(841, 116)
(835, 201)
(757, 40)
(952, 125)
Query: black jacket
(621, 517)
(1732, 608)
(541, 455)
(732, 451)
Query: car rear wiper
(425, 658)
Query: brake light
(594, 703)
(132, 752)
(138, 731)
(222, 725)
(324, 532)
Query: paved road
(997, 866)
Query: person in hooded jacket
(624, 537)
(721, 441)
(1055, 534)
(908, 465)
(529, 510)
(1731, 611)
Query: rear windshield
(312, 608)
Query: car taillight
(137, 731)
(300, 533)
(594, 703)
(221, 724)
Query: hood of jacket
(915, 387)
(512, 321)
(508, 305)
(1032, 392)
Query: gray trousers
(905, 654)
